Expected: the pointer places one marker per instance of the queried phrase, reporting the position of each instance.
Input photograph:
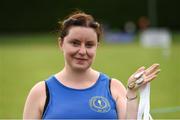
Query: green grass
(27, 59)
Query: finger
(153, 74)
(156, 72)
(138, 71)
(150, 78)
(151, 69)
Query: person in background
(143, 23)
(78, 91)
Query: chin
(81, 68)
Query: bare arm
(132, 103)
(119, 94)
(126, 100)
(35, 102)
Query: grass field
(27, 59)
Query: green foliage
(22, 64)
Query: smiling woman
(78, 91)
(79, 48)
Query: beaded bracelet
(130, 99)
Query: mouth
(81, 59)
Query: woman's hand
(141, 77)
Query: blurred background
(136, 33)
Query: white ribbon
(144, 103)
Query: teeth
(138, 75)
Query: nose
(82, 50)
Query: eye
(89, 45)
(75, 43)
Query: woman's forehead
(82, 33)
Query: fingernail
(143, 67)
(156, 64)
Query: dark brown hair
(79, 18)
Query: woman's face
(79, 48)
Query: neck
(77, 73)
(73, 75)
(76, 79)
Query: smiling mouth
(80, 58)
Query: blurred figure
(143, 23)
(157, 38)
(130, 27)
(125, 36)
(154, 37)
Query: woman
(78, 91)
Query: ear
(60, 43)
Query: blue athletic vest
(94, 102)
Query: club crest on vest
(99, 104)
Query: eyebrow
(75, 39)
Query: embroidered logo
(99, 104)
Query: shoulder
(38, 93)
(117, 89)
(38, 88)
(35, 101)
